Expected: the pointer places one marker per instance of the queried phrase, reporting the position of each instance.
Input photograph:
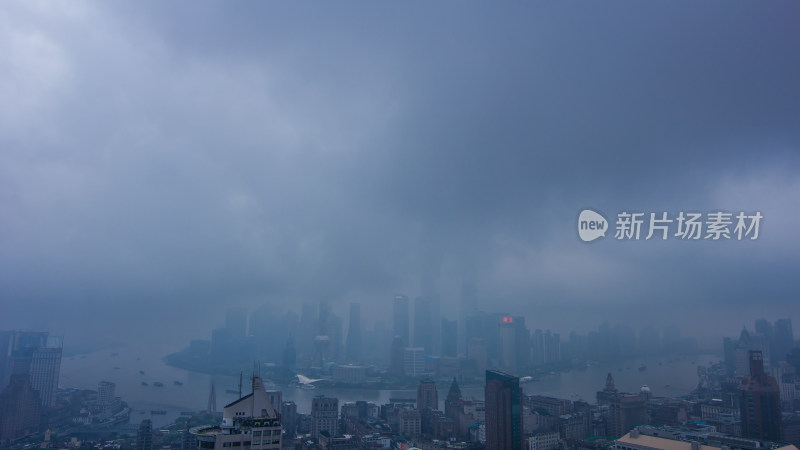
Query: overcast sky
(160, 161)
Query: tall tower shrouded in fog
(353, 346)
(423, 324)
(401, 318)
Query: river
(675, 376)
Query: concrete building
(324, 416)
(349, 374)
(626, 411)
(427, 395)
(409, 422)
(413, 361)
(546, 440)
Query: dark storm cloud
(181, 158)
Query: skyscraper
(401, 318)
(760, 402)
(289, 418)
(16, 352)
(105, 397)
(427, 395)
(508, 345)
(423, 324)
(477, 352)
(784, 339)
(397, 353)
(20, 409)
(212, 398)
(413, 361)
(45, 370)
(503, 411)
(449, 338)
(354, 333)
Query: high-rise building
(308, 330)
(760, 402)
(423, 324)
(750, 342)
(503, 398)
(16, 352)
(401, 318)
(105, 397)
(546, 347)
(289, 418)
(626, 411)
(212, 398)
(324, 416)
(144, 437)
(396, 355)
(354, 333)
(484, 326)
(427, 395)
(783, 339)
(336, 327)
(477, 352)
(469, 307)
(413, 361)
(45, 370)
(20, 409)
(449, 338)
(507, 332)
(249, 422)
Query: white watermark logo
(591, 225)
(713, 226)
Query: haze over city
(391, 226)
(162, 161)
